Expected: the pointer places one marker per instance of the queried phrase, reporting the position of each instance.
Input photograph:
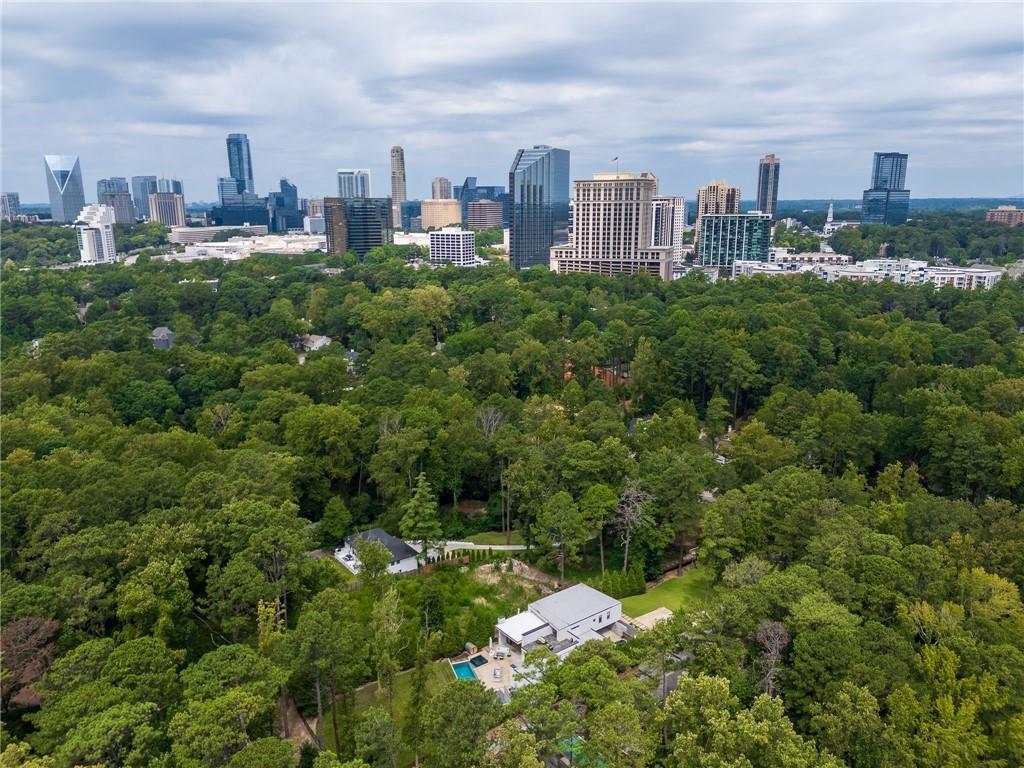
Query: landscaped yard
(440, 673)
(491, 538)
(687, 591)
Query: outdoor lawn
(490, 538)
(440, 673)
(687, 591)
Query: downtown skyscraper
(114, 192)
(768, 185)
(142, 188)
(240, 161)
(64, 183)
(887, 202)
(538, 184)
(397, 185)
(714, 199)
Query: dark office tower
(142, 188)
(357, 224)
(768, 185)
(887, 202)
(240, 161)
(64, 183)
(283, 208)
(538, 184)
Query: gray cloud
(689, 91)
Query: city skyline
(948, 96)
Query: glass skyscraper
(64, 183)
(240, 160)
(357, 224)
(538, 185)
(768, 184)
(142, 188)
(887, 202)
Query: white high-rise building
(353, 182)
(95, 227)
(454, 245)
(397, 185)
(669, 223)
(612, 228)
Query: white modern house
(562, 621)
(403, 556)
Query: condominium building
(484, 214)
(725, 238)
(538, 204)
(353, 182)
(913, 272)
(440, 188)
(886, 202)
(1006, 214)
(768, 184)
(397, 185)
(64, 183)
(669, 224)
(168, 208)
(357, 224)
(613, 216)
(435, 214)
(142, 188)
(715, 199)
(10, 206)
(95, 229)
(453, 245)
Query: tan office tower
(441, 189)
(440, 213)
(612, 226)
(168, 208)
(397, 185)
(716, 198)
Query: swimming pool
(464, 671)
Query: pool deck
(485, 672)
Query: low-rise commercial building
(1010, 215)
(193, 235)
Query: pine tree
(420, 521)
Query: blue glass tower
(887, 202)
(538, 184)
(240, 161)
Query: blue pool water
(464, 671)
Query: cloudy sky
(690, 91)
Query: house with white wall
(403, 556)
(562, 621)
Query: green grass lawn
(688, 591)
(490, 538)
(439, 674)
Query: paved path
(453, 545)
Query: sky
(690, 91)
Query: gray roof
(398, 548)
(572, 605)
(161, 330)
